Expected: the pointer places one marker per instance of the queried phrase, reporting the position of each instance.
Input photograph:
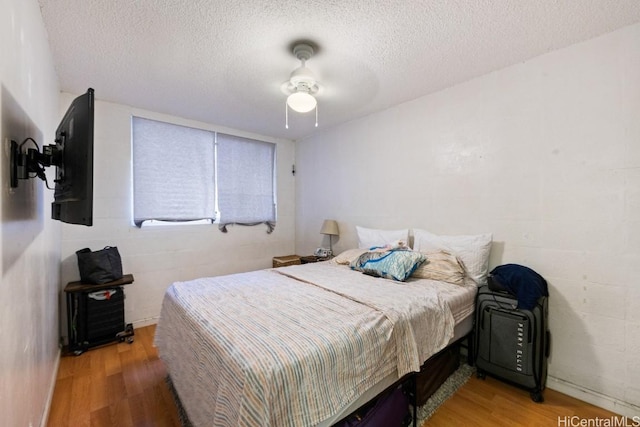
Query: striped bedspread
(290, 346)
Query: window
(184, 174)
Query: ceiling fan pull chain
(286, 115)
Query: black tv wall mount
(30, 163)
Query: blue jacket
(527, 285)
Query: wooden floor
(115, 385)
(491, 402)
(124, 385)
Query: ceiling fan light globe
(301, 102)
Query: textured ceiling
(223, 62)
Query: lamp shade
(330, 227)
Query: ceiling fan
(302, 84)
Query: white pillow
(473, 250)
(370, 237)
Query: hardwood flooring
(124, 385)
(119, 385)
(491, 402)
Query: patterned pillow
(394, 264)
(441, 266)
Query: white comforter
(290, 346)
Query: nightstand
(312, 258)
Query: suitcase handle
(102, 295)
(547, 350)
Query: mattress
(299, 345)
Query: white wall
(159, 256)
(544, 154)
(30, 240)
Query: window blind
(173, 172)
(246, 187)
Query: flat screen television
(73, 195)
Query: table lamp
(330, 227)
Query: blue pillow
(394, 264)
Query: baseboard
(593, 397)
(145, 322)
(52, 387)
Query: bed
(301, 345)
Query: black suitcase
(510, 343)
(97, 318)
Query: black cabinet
(95, 314)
